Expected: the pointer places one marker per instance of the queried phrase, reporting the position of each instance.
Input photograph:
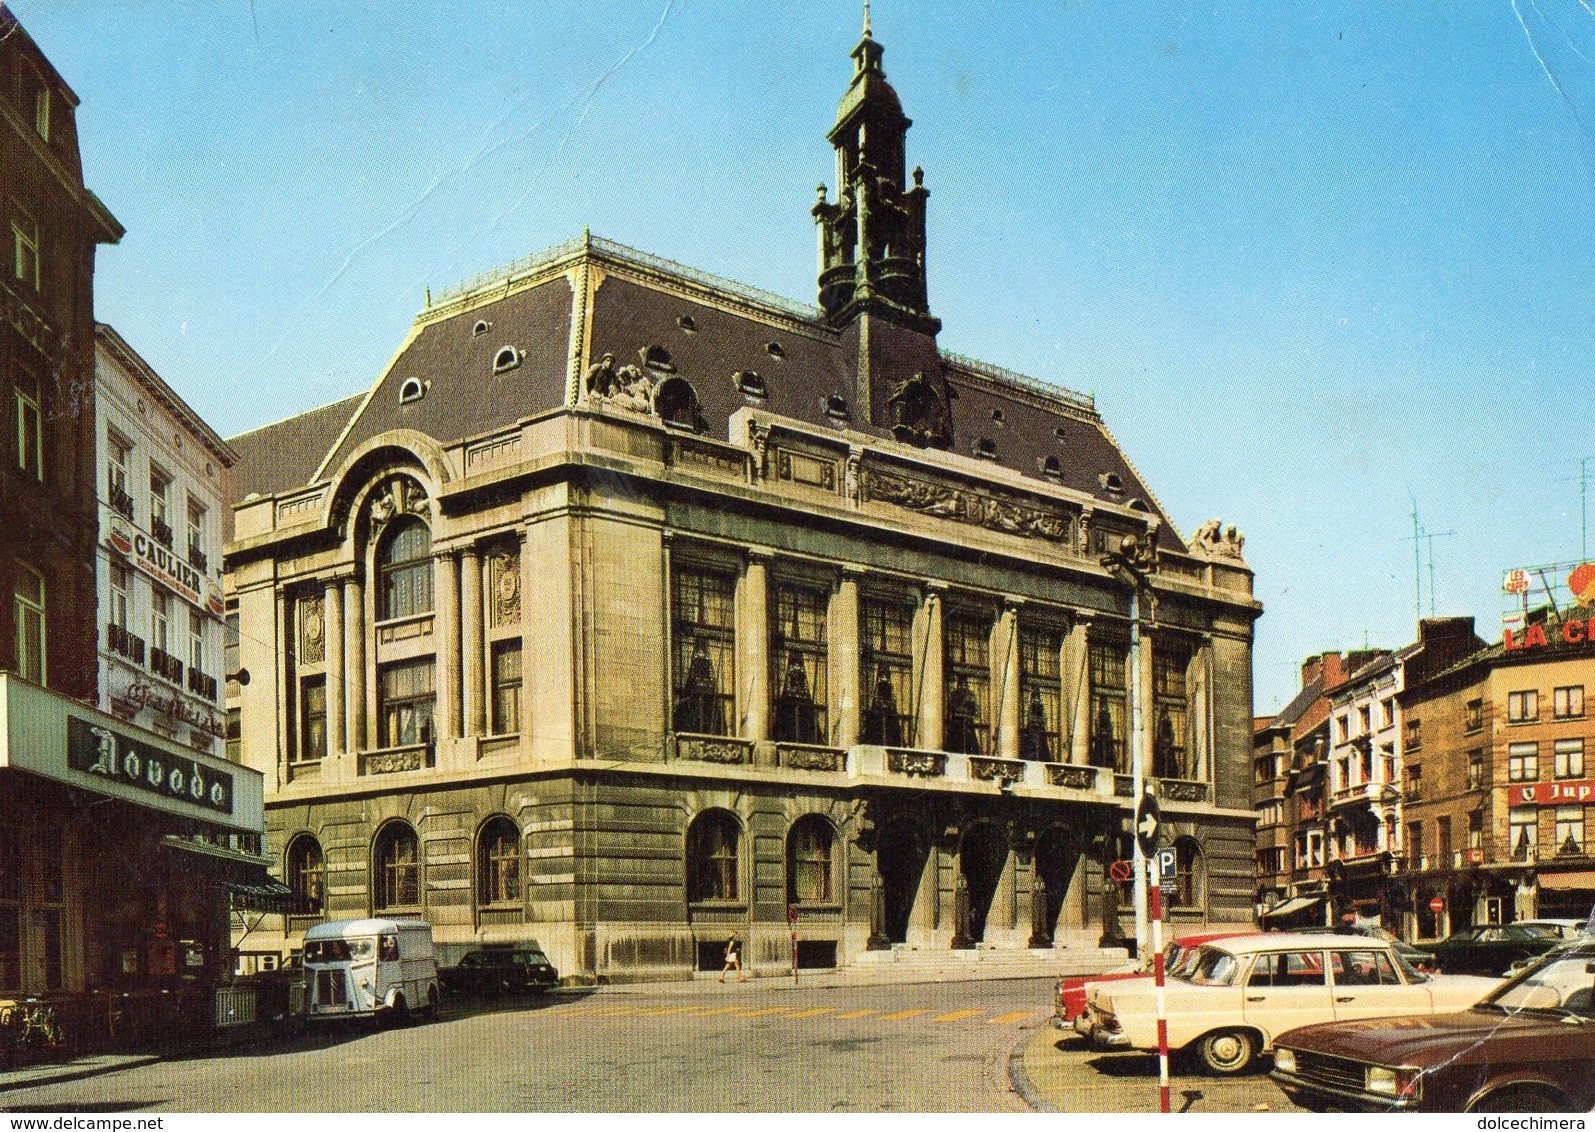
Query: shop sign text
(1574, 632)
(99, 750)
(1552, 793)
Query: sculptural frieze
(919, 413)
(970, 507)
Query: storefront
(119, 857)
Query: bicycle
(28, 1025)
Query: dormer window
(749, 383)
(411, 390)
(41, 113)
(984, 449)
(1138, 505)
(1051, 467)
(1111, 483)
(774, 349)
(658, 358)
(997, 417)
(1059, 435)
(687, 323)
(482, 327)
(835, 407)
(507, 358)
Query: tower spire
(866, 19)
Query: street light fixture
(1134, 562)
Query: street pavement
(1058, 1072)
(763, 1046)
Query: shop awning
(1292, 906)
(1561, 882)
(256, 890)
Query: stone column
(1009, 709)
(446, 634)
(1200, 729)
(354, 665)
(471, 640)
(843, 654)
(753, 637)
(1077, 689)
(928, 675)
(332, 621)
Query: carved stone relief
(967, 507)
(312, 631)
(401, 495)
(504, 581)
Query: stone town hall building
(631, 606)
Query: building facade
(1288, 780)
(162, 495)
(117, 845)
(1497, 826)
(631, 606)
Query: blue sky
(1318, 263)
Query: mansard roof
(449, 379)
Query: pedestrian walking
(733, 960)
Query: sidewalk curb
(1020, 1080)
(26, 1079)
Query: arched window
(396, 862)
(1190, 875)
(404, 571)
(712, 842)
(306, 873)
(498, 862)
(808, 862)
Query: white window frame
(31, 614)
(1563, 701)
(120, 594)
(25, 263)
(196, 641)
(1523, 706)
(1567, 755)
(1517, 762)
(31, 462)
(160, 621)
(160, 501)
(1569, 820)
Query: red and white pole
(1155, 895)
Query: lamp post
(1133, 563)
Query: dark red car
(1526, 1047)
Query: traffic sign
(1148, 823)
(1165, 865)
(1120, 871)
(1437, 904)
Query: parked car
(520, 968)
(1228, 1005)
(1069, 995)
(1491, 949)
(1420, 957)
(1527, 1047)
(1563, 929)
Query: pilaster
(844, 660)
(447, 635)
(1077, 688)
(1007, 664)
(753, 636)
(472, 646)
(332, 619)
(354, 665)
(928, 667)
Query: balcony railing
(201, 684)
(161, 530)
(123, 643)
(198, 559)
(122, 503)
(165, 665)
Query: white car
(1228, 1005)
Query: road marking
(854, 1014)
(816, 1010)
(900, 1015)
(956, 1015)
(721, 1010)
(1016, 1016)
(768, 1010)
(660, 1012)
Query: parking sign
(1165, 865)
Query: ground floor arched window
(808, 862)
(712, 844)
(396, 863)
(498, 862)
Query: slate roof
(711, 329)
(283, 456)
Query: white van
(357, 968)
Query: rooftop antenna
(1429, 537)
